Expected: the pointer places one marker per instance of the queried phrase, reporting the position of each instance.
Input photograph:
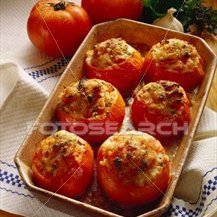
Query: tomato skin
(105, 10)
(140, 113)
(125, 76)
(120, 193)
(57, 32)
(131, 195)
(72, 184)
(115, 116)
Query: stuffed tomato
(116, 62)
(174, 60)
(92, 109)
(133, 168)
(161, 109)
(63, 163)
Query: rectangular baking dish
(133, 32)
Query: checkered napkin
(23, 93)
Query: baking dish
(134, 33)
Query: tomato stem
(59, 6)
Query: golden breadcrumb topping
(163, 96)
(56, 148)
(88, 98)
(134, 157)
(109, 53)
(176, 55)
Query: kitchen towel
(23, 91)
(21, 100)
(22, 97)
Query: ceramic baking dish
(134, 33)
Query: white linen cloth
(23, 91)
(21, 100)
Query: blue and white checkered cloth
(23, 95)
(196, 193)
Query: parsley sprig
(190, 12)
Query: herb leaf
(188, 12)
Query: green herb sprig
(189, 12)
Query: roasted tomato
(116, 62)
(63, 163)
(92, 109)
(174, 60)
(57, 27)
(132, 168)
(105, 10)
(161, 109)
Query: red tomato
(132, 168)
(161, 109)
(116, 62)
(92, 109)
(57, 27)
(174, 60)
(105, 10)
(63, 163)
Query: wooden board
(132, 32)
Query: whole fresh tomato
(63, 163)
(57, 27)
(105, 10)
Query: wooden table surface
(211, 103)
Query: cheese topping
(109, 53)
(175, 55)
(163, 96)
(88, 98)
(55, 149)
(136, 159)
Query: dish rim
(78, 204)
